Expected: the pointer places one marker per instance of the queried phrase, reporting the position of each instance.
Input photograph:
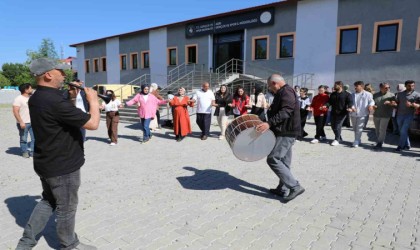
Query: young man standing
(59, 153)
(362, 105)
(383, 112)
(21, 113)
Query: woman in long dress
(182, 124)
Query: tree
(46, 49)
(17, 73)
(4, 81)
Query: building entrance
(227, 46)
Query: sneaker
(145, 141)
(335, 143)
(314, 141)
(294, 193)
(112, 144)
(398, 149)
(204, 137)
(355, 144)
(82, 246)
(25, 155)
(222, 137)
(378, 145)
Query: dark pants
(158, 117)
(60, 195)
(337, 124)
(303, 117)
(320, 124)
(280, 160)
(112, 120)
(203, 122)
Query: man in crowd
(284, 121)
(205, 99)
(340, 103)
(21, 113)
(407, 103)
(362, 105)
(383, 112)
(58, 155)
(78, 97)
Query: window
(145, 59)
(96, 65)
(387, 36)
(260, 48)
(285, 45)
(123, 62)
(87, 68)
(191, 54)
(134, 61)
(103, 63)
(348, 39)
(172, 56)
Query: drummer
(284, 121)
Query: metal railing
(182, 70)
(304, 80)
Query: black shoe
(304, 134)
(277, 192)
(378, 146)
(407, 148)
(204, 137)
(181, 138)
(398, 149)
(294, 193)
(176, 137)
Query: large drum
(246, 143)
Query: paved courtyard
(196, 195)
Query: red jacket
(241, 105)
(319, 101)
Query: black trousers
(320, 124)
(337, 124)
(303, 117)
(203, 122)
(158, 117)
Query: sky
(24, 23)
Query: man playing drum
(284, 121)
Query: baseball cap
(42, 65)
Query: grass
(3, 106)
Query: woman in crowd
(182, 124)
(258, 101)
(319, 110)
(240, 102)
(147, 105)
(223, 110)
(112, 116)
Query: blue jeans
(60, 195)
(23, 135)
(146, 128)
(404, 122)
(280, 160)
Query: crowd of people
(58, 120)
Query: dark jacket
(340, 102)
(284, 113)
(223, 102)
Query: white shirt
(145, 97)
(22, 102)
(79, 102)
(112, 105)
(204, 100)
(361, 102)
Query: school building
(310, 42)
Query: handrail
(180, 71)
(145, 78)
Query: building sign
(231, 23)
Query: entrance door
(227, 46)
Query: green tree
(4, 81)
(17, 73)
(46, 49)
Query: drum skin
(246, 143)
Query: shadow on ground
(211, 179)
(21, 208)
(14, 151)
